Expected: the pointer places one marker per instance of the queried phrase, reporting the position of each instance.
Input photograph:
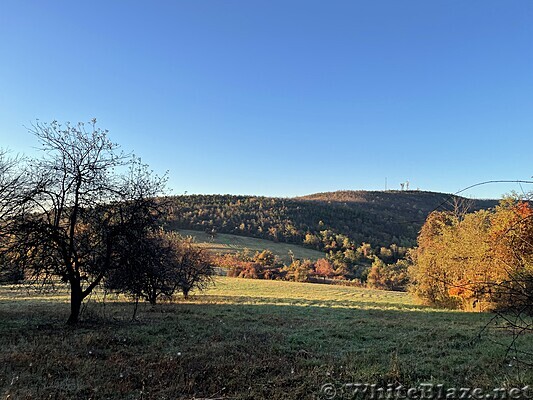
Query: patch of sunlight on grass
(227, 243)
(253, 291)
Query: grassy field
(224, 243)
(244, 339)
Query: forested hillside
(377, 218)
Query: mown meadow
(245, 339)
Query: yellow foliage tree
(475, 260)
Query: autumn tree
(475, 260)
(365, 250)
(511, 236)
(376, 278)
(388, 276)
(429, 275)
(85, 203)
(265, 258)
(311, 240)
(299, 270)
(324, 268)
(481, 260)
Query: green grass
(225, 243)
(243, 339)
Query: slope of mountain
(376, 217)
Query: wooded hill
(380, 218)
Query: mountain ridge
(363, 193)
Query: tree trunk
(152, 297)
(76, 297)
(135, 308)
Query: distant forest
(328, 222)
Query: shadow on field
(224, 347)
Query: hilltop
(380, 218)
(423, 200)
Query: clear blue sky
(283, 97)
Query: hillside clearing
(223, 243)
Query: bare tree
(13, 179)
(159, 265)
(12, 198)
(194, 266)
(147, 272)
(461, 206)
(86, 201)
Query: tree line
(265, 265)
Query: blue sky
(283, 98)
